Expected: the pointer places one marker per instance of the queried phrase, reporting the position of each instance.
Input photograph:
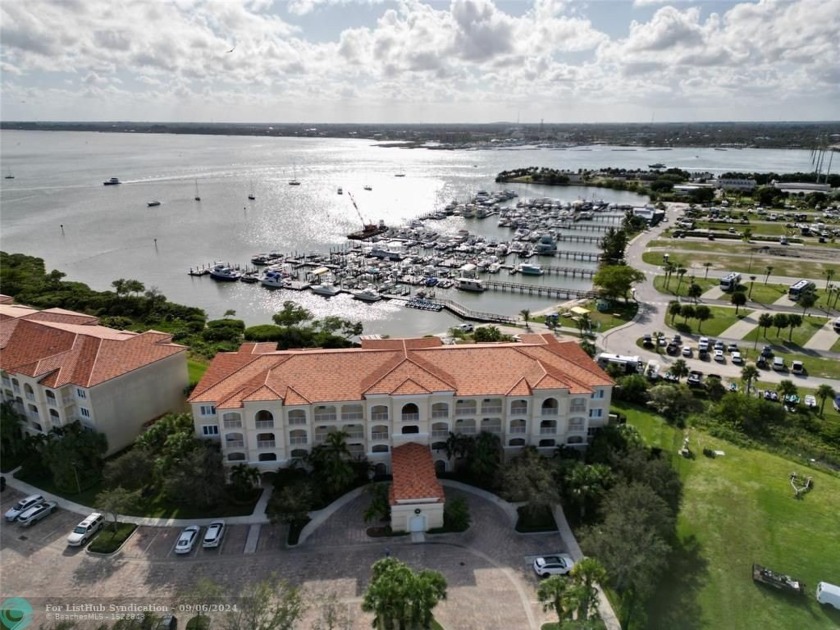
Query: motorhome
(730, 281)
(630, 364)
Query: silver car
(35, 514)
(186, 541)
(24, 504)
(214, 534)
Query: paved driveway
(487, 568)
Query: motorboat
(327, 289)
(273, 279)
(368, 230)
(368, 294)
(112, 182)
(225, 273)
(152, 204)
(368, 187)
(528, 269)
(470, 284)
(340, 190)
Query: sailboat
(251, 194)
(294, 181)
(197, 196)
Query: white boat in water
(528, 269)
(368, 294)
(470, 284)
(152, 204)
(327, 289)
(273, 279)
(225, 273)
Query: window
(232, 421)
(519, 407)
(81, 393)
(440, 430)
(236, 457)
(492, 425)
(410, 413)
(546, 443)
(297, 417)
(208, 430)
(438, 446)
(379, 432)
(578, 405)
(575, 439)
(379, 448)
(440, 410)
(85, 413)
(354, 431)
(440, 467)
(598, 393)
(491, 405)
(264, 419)
(465, 407)
(265, 440)
(234, 440)
(352, 412)
(33, 411)
(411, 428)
(299, 453)
(518, 426)
(325, 413)
(297, 437)
(596, 413)
(516, 442)
(29, 392)
(466, 427)
(207, 410)
(548, 427)
(268, 457)
(50, 398)
(576, 424)
(379, 412)
(550, 407)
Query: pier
(539, 290)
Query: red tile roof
(61, 347)
(398, 367)
(414, 474)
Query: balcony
(67, 401)
(577, 409)
(465, 430)
(468, 411)
(548, 430)
(379, 435)
(379, 415)
(234, 443)
(234, 424)
(518, 410)
(491, 410)
(51, 402)
(550, 411)
(410, 417)
(440, 434)
(296, 421)
(440, 414)
(30, 396)
(518, 430)
(267, 444)
(325, 417)
(355, 435)
(265, 424)
(297, 441)
(352, 415)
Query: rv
(630, 364)
(730, 281)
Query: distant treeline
(764, 179)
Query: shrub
(456, 515)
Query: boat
(368, 294)
(112, 182)
(197, 196)
(784, 583)
(225, 273)
(368, 188)
(9, 174)
(470, 284)
(368, 230)
(250, 277)
(327, 289)
(657, 165)
(152, 204)
(340, 190)
(252, 195)
(528, 269)
(294, 181)
(274, 279)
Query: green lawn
(766, 294)
(800, 336)
(792, 268)
(738, 509)
(620, 313)
(758, 229)
(836, 346)
(196, 367)
(722, 318)
(674, 284)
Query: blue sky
(404, 61)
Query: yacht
(327, 289)
(112, 182)
(340, 190)
(152, 204)
(273, 279)
(527, 269)
(225, 273)
(368, 294)
(470, 284)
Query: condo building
(267, 407)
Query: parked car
(810, 402)
(732, 347)
(214, 534)
(719, 356)
(695, 378)
(703, 344)
(86, 530)
(36, 513)
(767, 352)
(557, 564)
(647, 341)
(670, 377)
(24, 504)
(797, 367)
(719, 345)
(677, 339)
(186, 541)
(686, 351)
(771, 395)
(467, 328)
(779, 364)
(736, 358)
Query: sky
(419, 61)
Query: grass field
(722, 318)
(758, 229)
(674, 284)
(738, 509)
(620, 314)
(836, 346)
(792, 268)
(800, 336)
(196, 367)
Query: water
(109, 232)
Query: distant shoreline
(629, 136)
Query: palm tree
(680, 272)
(669, 268)
(526, 315)
(558, 594)
(824, 392)
(706, 265)
(485, 458)
(786, 388)
(701, 314)
(586, 482)
(765, 321)
(656, 337)
(738, 299)
(780, 320)
(752, 279)
(679, 368)
(586, 574)
(767, 271)
(674, 309)
(749, 374)
(794, 321)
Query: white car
(214, 534)
(736, 358)
(85, 530)
(719, 355)
(186, 541)
(36, 513)
(557, 564)
(24, 504)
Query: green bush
(264, 332)
(456, 515)
(109, 540)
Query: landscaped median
(722, 317)
(739, 508)
(110, 539)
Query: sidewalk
(741, 328)
(257, 517)
(824, 338)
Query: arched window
(268, 457)
(518, 426)
(550, 407)
(234, 440)
(440, 410)
(28, 391)
(379, 448)
(466, 427)
(465, 407)
(53, 415)
(232, 420)
(50, 398)
(236, 457)
(546, 443)
(491, 406)
(266, 440)
(440, 429)
(265, 419)
(379, 412)
(440, 467)
(325, 413)
(297, 437)
(354, 431)
(519, 407)
(352, 412)
(548, 427)
(297, 416)
(410, 428)
(379, 432)
(410, 413)
(516, 442)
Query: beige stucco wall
(401, 515)
(121, 406)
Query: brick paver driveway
(491, 584)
